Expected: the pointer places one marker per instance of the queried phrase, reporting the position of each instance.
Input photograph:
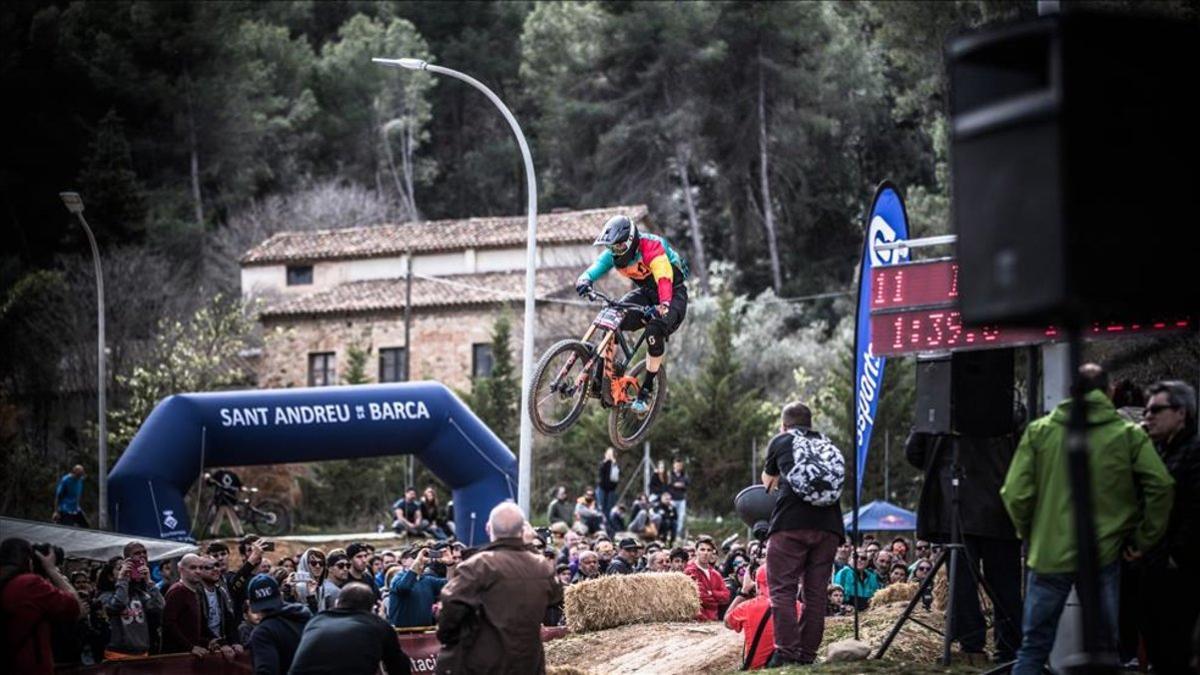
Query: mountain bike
(596, 366)
(268, 517)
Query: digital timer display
(928, 330)
(934, 282)
(914, 309)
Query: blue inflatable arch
(188, 432)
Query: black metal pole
(1033, 405)
(955, 547)
(854, 544)
(1096, 655)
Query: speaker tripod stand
(951, 553)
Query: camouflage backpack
(819, 470)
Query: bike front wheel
(625, 427)
(270, 518)
(560, 386)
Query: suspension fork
(603, 350)
(554, 384)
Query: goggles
(620, 248)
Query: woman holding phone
(309, 579)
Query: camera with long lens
(754, 506)
(56, 553)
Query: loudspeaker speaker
(969, 393)
(1073, 163)
(933, 395)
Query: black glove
(583, 287)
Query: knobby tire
(615, 415)
(542, 375)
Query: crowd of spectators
(268, 604)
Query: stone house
(326, 292)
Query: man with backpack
(807, 472)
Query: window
(299, 275)
(391, 364)
(321, 369)
(481, 359)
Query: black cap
(263, 594)
(629, 544)
(356, 548)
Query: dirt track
(665, 648)
(701, 648)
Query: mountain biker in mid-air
(659, 273)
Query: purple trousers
(800, 560)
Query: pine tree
(496, 397)
(714, 418)
(109, 184)
(356, 365)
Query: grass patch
(873, 666)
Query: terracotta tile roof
(434, 235)
(376, 295)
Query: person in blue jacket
(413, 593)
(860, 584)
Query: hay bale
(633, 598)
(901, 592)
(941, 592)
(566, 670)
(941, 589)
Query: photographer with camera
(413, 592)
(133, 605)
(749, 613)
(492, 609)
(805, 530)
(34, 596)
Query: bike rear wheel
(558, 391)
(269, 518)
(625, 427)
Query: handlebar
(646, 310)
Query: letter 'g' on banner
(887, 222)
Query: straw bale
(566, 670)
(633, 598)
(901, 592)
(941, 588)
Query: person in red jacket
(709, 582)
(748, 611)
(33, 597)
(183, 618)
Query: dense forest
(756, 132)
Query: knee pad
(656, 338)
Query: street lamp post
(74, 204)
(525, 456)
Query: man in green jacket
(1122, 465)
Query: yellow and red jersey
(655, 264)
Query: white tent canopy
(77, 542)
